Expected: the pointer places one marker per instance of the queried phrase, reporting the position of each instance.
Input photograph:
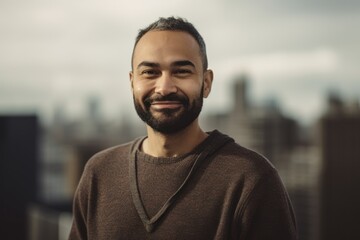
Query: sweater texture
(219, 190)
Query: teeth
(166, 102)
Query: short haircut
(175, 24)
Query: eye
(182, 72)
(149, 73)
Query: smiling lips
(158, 105)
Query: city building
(339, 140)
(261, 128)
(19, 157)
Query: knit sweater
(219, 190)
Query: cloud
(285, 64)
(82, 47)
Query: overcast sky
(60, 52)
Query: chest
(203, 210)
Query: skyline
(56, 52)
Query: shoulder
(104, 168)
(108, 158)
(245, 161)
(236, 158)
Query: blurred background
(287, 84)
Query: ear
(131, 78)
(208, 79)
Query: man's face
(168, 80)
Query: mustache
(171, 97)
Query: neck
(171, 145)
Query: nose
(165, 85)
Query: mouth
(172, 102)
(159, 105)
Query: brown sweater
(218, 191)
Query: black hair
(175, 24)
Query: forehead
(166, 46)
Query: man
(178, 182)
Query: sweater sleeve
(267, 212)
(80, 208)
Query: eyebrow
(179, 63)
(147, 64)
(182, 63)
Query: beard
(170, 121)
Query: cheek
(141, 90)
(137, 90)
(192, 90)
